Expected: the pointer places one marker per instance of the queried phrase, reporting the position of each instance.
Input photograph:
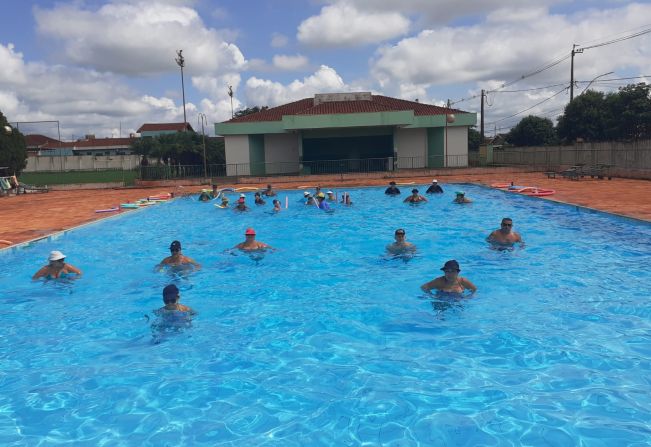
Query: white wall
(237, 152)
(457, 146)
(411, 143)
(36, 163)
(281, 153)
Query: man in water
(331, 197)
(461, 198)
(258, 199)
(400, 246)
(276, 203)
(323, 205)
(171, 298)
(505, 236)
(177, 258)
(250, 244)
(434, 188)
(392, 190)
(310, 199)
(415, 197)
(450, 282)
(269, 192)
(57, 267)
(241, 205)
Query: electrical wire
(619, 39)
(529, 108)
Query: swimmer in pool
(276, 203)
(57, 267)
(461, 198)
(505, 236)
(177, 258)
(241, 204)
(250, 244)
(415, 197)
(400, 246)
(450, 281)
(171, 298)
(269, 192)
(258, 200)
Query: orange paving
(31, 216)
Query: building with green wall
(356, 128)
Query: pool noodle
(286, 202)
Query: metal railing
(344, 166)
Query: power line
(529, 108)
(530, 89)
(619, 39)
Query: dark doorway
(347, 154)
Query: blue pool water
(328, 342)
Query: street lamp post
(230, 93)
(181, 63)
(594, 79)
(449, 119)
(201, 119)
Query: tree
(13, 151)
(249, 111)
(533, 131)
(584, 117)
(185, 148)
(474, 139)
(629, 113)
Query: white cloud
(343, 25)
(137, 38)
(262, 92)
(290, 63)
(12, 67)
(279, 40)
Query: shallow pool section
(327, 341)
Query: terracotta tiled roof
(38, 141)
(377, 103)
(157, 127)
(102, 142)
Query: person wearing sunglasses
(177, 258)
(450, 282)
(505, 236)
(57, 267)
(400, 246)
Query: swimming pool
(328, 342)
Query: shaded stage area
(347, 154)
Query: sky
(105, 67)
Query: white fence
(37, 163)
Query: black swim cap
(170, 291)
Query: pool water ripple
(329, 341)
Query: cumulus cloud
(501, 48)
(289, 63)
(263, 92)
(137, 38)
(343, 25)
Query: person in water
(331, 197)
(57, 267)
(276, 203)
(323, 205)
(345, 199)
(392, 190)
(310, 199)
(224, 200)
(415, 197)
(461, 198)
(177, 258)
(269, 192)
(204, 196)
(241, 204)
(258, 199)
(171, 298)
(505, 234)
(400, 246)
(450, 281)
(434, 188)
(250, 244)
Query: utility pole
(203, 120)
(181, 63)
(230, 93)
(481, 125)
(574, 51)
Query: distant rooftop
(158, 127)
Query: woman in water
(57, 267)
(450, 282)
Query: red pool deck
(31, 216)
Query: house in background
(358, 128)
(89, 145)
(156, 129)
(38, 144)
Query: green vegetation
(184, 148)
(533, 131)
(13, 153)
(71, 177)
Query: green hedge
(70, 177)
